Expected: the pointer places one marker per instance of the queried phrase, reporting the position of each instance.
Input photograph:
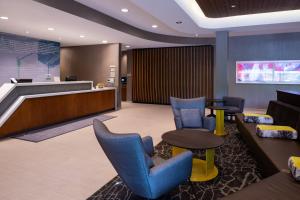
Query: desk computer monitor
(71, 78)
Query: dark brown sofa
(272, 156)
(279, 186)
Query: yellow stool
(202, 170)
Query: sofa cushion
(258, 118)
(274, 131)
(278, 186)
(294, 165)
(191, 118)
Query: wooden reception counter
(40, 110)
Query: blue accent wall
(23, 57)
(261, 47)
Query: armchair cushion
(209, 123)
(191, 118)
(148, 145)
(149, 150)
(149, 161)
(232, 109)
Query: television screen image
(268, 72)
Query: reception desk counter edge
(34, 111)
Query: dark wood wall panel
(184, 72)
(227, 8)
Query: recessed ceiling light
(50, 29)
(104, 41)
(124, 10)
(233, 6)
(179, 22)
(196, 35)
(81, 36)
(127, 46)
(154, 26)
(4, 17)
(27, 32)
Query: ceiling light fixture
(124, 10)
(179, 22)
(233, 6)
(27, 32)
(127, 46)
(50, 29)
(81, 36)
(154, 26)
(4, 17)
(104, 41)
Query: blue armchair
(190, 113)
(130, 156)
(234, 105)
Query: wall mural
(23, 57)
(268, 72)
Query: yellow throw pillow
(258, 118)
(273, 131)
(294, 166)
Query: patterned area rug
(237, 169)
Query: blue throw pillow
(191, 118)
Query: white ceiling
(28, 15)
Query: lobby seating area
(149, 99)
(272, 155)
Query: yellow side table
(184, 139)
(220, 130)
(202, 170)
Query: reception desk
(31, 111)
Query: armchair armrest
(148, 145)
(171, 173)
(178, 122)
(209, 123)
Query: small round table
(213, 102)
(219, 119)
(203, 170)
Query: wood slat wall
(184, 72)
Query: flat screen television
(268, 72)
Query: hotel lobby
(149, 99)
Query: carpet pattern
(237, 169)
(48, 132)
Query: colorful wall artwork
(268, 72)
